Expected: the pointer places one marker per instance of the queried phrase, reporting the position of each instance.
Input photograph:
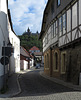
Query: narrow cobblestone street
(32, 84)
(35, 87)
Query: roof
(24, 52)
(38, 54)
(10, 21)
(34, 48)
(43, 20)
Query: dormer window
(58, 2)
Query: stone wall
(73, 64)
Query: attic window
(58, 2)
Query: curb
(58, 81)
(15, 94)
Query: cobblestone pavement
(35, 87)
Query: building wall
(31, 62)
(15, 58)
(55, 72)
(47, 62)
(72, 64)
(61, 44)
(65, 27)
(3, 37)
(23, 65)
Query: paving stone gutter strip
(15, 94)
(58, 81)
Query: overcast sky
(26, 13)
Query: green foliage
(29, 41)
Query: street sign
(8, 51)
(4, 60)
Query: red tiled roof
(27, 52)
(34, 48)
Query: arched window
(47, 60)
(63, 62)
(55, 61)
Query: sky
(27, 13)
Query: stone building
(61, 37)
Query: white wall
(3, 6)
(15, 58)
(3, 36)
(24, 64)
(3, 31)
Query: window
(52, 31)
(47, 60)
(49, 34)
(46, 39)
(55, 29)
(60, 26)
(44, 42)
(74, 16)
(58, 2)
(69, 20)
(64, 23)
(63, 62)
(55, 61)
(79, 11)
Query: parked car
(42, 65)
(37, 66)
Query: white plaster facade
(3, 36)
(7, 34)
(15, 58)
(24, 65)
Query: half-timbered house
(61, 37)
